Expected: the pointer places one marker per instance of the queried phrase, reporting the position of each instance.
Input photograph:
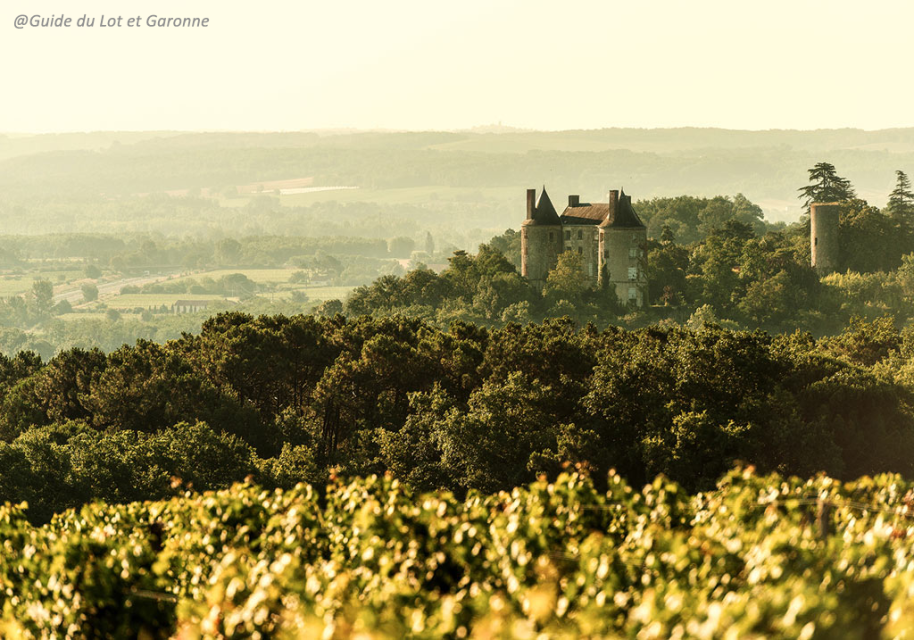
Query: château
(609, 236)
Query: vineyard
(762, 556)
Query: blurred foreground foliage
(759, 556)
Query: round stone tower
(823, 236)
(541, 238)
(623, 238)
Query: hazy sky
(428, 64)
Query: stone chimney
(613, 204)
(531, 203)
(574, 201)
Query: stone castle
(609, 236)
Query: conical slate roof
(544, 213)
(624, 217)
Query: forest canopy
(288, 399)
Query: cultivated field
(155, 300)
(271, 276)
(146, 300)
(14, 285)
(319, 294)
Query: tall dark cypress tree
(901, 201)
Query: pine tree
(827, 186)
(901, 201)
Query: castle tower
(541, 238)
(823, 236)
(622, 242)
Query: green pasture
(146, 300)
(70, 317)
(265, 276)
(317, 294)
(55, 275)
(15, 285)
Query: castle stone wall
(823, 236)
(622, 255)
(540, 248)
(585, 240)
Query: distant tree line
(139, 251)
(712, 162)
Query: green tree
(901, 201)
(489, 447)
(238, 285)
(566, 281)
(714, 214)
(748, 212)
(509, 245)
(90, 292)
(401, 246)
(826, 186)
(666, 272)
(43, 292)
(228, 252)
(148, 388)
(61, 388)
(718, 260)
(62, 307)
(329, 308)
(267, 362)
(869, 239)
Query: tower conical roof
(544, 212)
(624, 216)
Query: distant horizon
(473, 129)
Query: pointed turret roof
(624, 216)
(544, 212)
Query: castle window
(633, 273)
(551, 236)
(580, 250)
(634, 238)
(568, 235)
(590, 269)
(633, 252)
(606, 254)
(580, 235)
(632, 293)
